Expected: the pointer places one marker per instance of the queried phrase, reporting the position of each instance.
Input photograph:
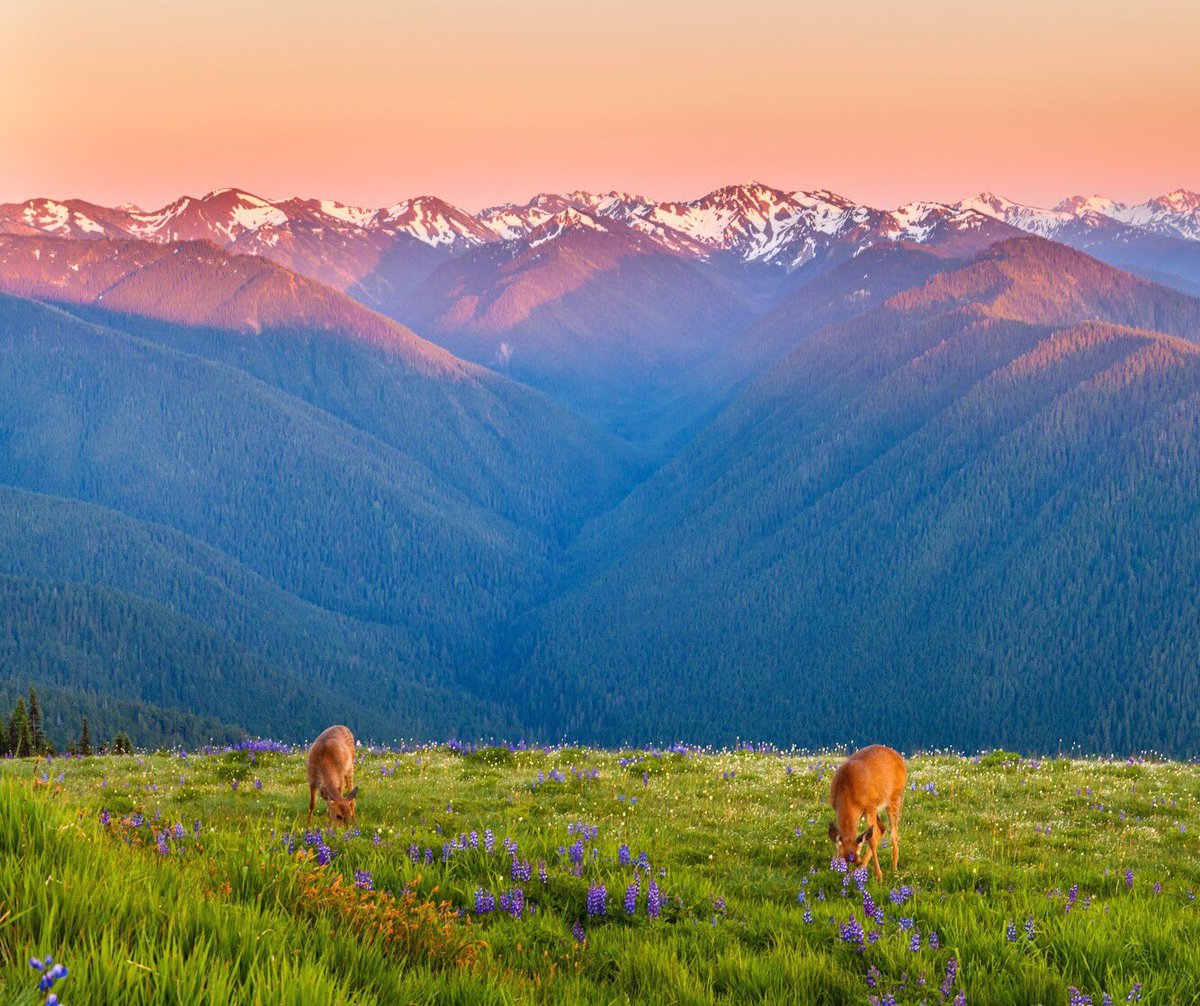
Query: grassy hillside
(190, 879)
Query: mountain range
(762, 464)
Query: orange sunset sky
(484, 102)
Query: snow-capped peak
(1079, 205)
(433, 221)
(568, 219)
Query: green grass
(731, 838)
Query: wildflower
(196, 827)
(1157, 887)
(489, 841)
(654, 900)
(852, 932)
(808, 916)
(915, 943)
(363, 880)
(484, 902)
(324, 854)
(1135, 993)
(50, 973)
(623, 854)
(577, 931)
(513, 902)
(932, 939)
(961, 998)
(161, 843)
(597, 900)
(951, 975)
(900, 895)
(631, 896)
(905, 922)
(258, 784)
(105, 818)
(1010, 932)
(1077, 998)
(1030, 929)
(542, 872)
(179, 832)
(1129, 880)
(645, 779)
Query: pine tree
(18, 731)
(121, 744)
(37, 736)
(84, 747)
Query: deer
(869, 781)
(331, 773)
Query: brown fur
(867, 782)
(331, 773)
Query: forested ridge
(937, 501)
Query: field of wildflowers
(564, 875)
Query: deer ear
(833, 832)
(352, 794)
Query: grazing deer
(331, 772)
(867, 782)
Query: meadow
(571, 875)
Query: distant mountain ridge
(810, 464)
(752, 221)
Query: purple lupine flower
(905, 922)
(631, 896)
(597, 900)
(1135, 993)
(577, 932)
(1157, 887)
(1129, 880)
(363, 880)
(654, 900)
(429, 857)
(179, 832)
(951, 975)
(105, 818)
(542, 872)
(808, 916)
(1010, 932)
(575, 852)
(162, 843)
(933, 940)
(324, 854)
(900, 895)
(1030, 929)
(1077, 998)
(623, 855)
(489, 841)
(484, 901)
(852, 932)
(915, 943)
(473, 840)
(961, 998)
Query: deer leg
(873, 844)
(894, 821)
(312, 802)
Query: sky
(488, 101)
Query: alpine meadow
(669, 587)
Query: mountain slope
(939, 523)
(584, 308)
